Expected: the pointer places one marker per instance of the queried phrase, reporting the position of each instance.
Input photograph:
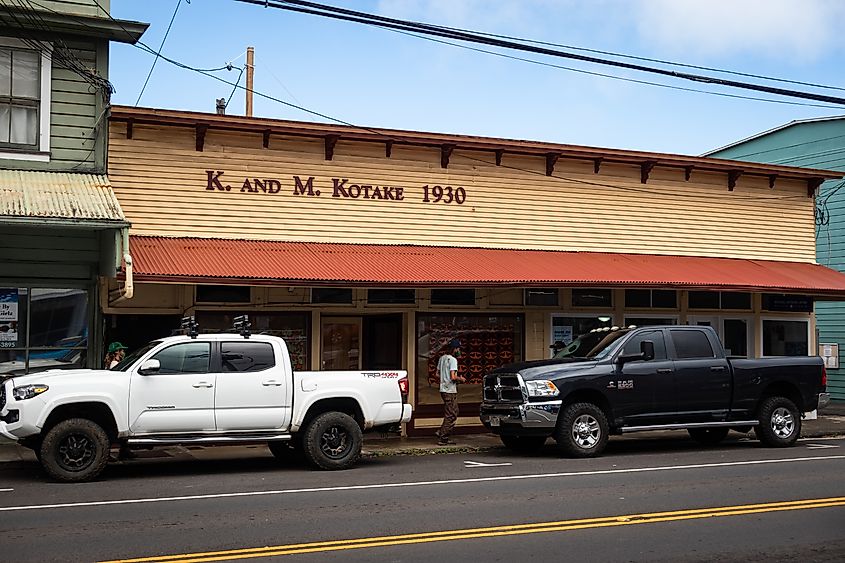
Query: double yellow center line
(493, 531)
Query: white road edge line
(6, 490)
(418, 483)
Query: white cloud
(795, 30)
(778, 30)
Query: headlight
(28, 391)
(541, 388)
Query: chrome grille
(503, 388)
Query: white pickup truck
(210, 388)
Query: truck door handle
(271, 382)
(202, 384)
(664, 370)
(717, 368)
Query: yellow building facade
(369, 249)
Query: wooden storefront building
(371, 248)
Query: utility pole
(250, 71)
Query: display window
(487, 342)
(43, 328)
(786, 337)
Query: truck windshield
(594, 344)
(581, 346)
(133, 357)
(608, 344)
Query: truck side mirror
(647, 349)
(149, 367)
(646, 353)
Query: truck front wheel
(780, 422)
(582, 430)
(74, 450)
(333, 440)
(523, 444)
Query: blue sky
(378, 78)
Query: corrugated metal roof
(59, 195)
(242, 261)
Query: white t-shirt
(445, 366)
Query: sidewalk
(831, 422)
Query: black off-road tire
(332, 441)
(75, 450)
(780, 422)
(708, 436)
(523, 444)
(582, 430)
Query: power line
(324, 10)
(235, 87)
(160, 47)
(612, 76)
(651, 60)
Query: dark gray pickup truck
(650, 378)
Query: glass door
(340, 339)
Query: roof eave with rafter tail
(203, 122)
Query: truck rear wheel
(582, 430)
(523, 444)
(74, 450)
(708, 436)
(780, 422)
(333, 440)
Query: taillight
(824, 377)
(404, 387)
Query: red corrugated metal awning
(247, 262)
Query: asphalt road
(644, 500)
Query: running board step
(193, 439)
(691, 425)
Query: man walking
(447, 367)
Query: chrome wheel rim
(76, 452)
(783, 423)
(335, 442)
(586, 431)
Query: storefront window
(567, 329)
(592, 298)
(43, 328)
(453, 296)
(719, 300)
(223, 294)
(391, 296)
(648, 298)
(293, 327)
(785, 338)
(336, 295)
(487, 342)
(544, 297)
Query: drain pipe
(128, 290)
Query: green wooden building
(813, 143)
(61, 227)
